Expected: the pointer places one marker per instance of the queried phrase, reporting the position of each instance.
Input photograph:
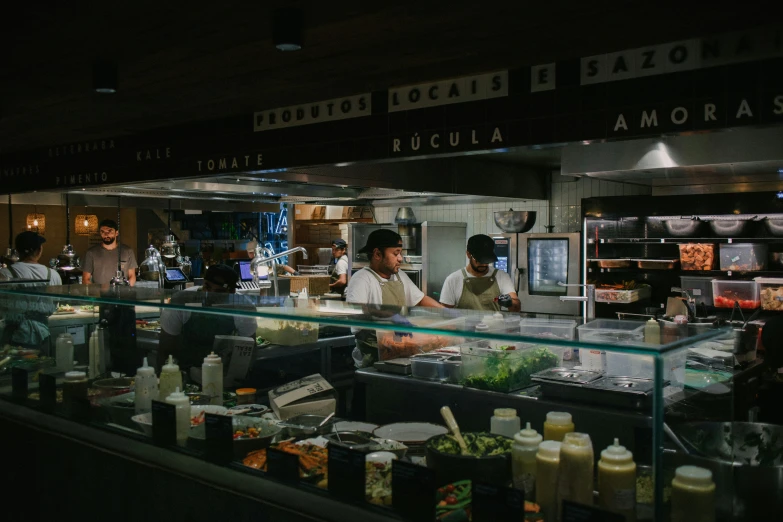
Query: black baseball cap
(339, 243)
(482, 248)
(28, 241)
(222, 275)
(108, 223)
(381, 238)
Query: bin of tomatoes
(728, 302)
(726, 292)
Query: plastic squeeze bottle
(182, 403)
(575, 475)
(146, 388)
(63, 352)
(170, 378)
(504, 422)
(693, 495)
(617, 481)
(652, 332)
(557, 424)
(547, 465)
(523, 460)
(212, 378)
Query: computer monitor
(175, 275)
(245, 273)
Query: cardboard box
(310, 395)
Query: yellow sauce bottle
(575, 475)
(693, 495)
(547, 464)
(617, 481)
(557, 424)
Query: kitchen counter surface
(81, 318)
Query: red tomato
(451, 500)
(450, 488)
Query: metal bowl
(731, 227)
(515, 221)
(683, 227)
(774, 226)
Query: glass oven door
(547, 264)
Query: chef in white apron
(338, 267)
(382, 283)
(480, 286)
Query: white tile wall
(565, 206)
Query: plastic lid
(246, 391)
(177, 395)
(505, 412)
(170, 366)
(482, 327)
(145, 370)
(653, 322)
(558, 418)
(549, 448)
(213, 358)
(65, 335)
(769, 280)
(616, 453)
(75, 376)
(529, 437)
(581, 440)
(694, 475)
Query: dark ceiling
(182, 62)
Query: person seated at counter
(189, 335)
(382, 284)
(477, 286)
(27, 317)
(100, 261)
(338, 267)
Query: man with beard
(100, 261)
(477, 286)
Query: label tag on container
(219, 432)
(497, 504)
(574, 512)
(346, 473)
(413, 491)
(47, 389)
(282, 465)
(164, 423)
(19, 383)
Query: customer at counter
(100, 261)
(27, 317)
(477, 286)
(338, 267)
(382, 285)
(189, 335)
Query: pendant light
(287, 29)
(67, 259)
(11, 255)
(119, 278)
(85, 224)
(36, 222)
(104, 77)
(170, 248)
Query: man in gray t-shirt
(100, 261)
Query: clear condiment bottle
(504, 422)
(95, 355)
(74, 387)
(652, 332)
(63, 352)
(693, 495)
(170, 378)
(212, 378)
(575, 475)
(146, 388)
(547, 466)
(523, 460)
(617, 481)
(557, 424)
(182, 403)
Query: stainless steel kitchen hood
(735, 160)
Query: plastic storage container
(437, 367)
(699, 288)
(746, 293)
(287, 333)
(504, 370)
(643, 367)
(743, 257)
(771, 292)
(611, 331)
(550, 329)
(697, 256)
(604, 295)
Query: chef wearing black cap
(100, 261)
(477, 286)
(382, 283)
(338, 269)
(189, 336)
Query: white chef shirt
(363, 288)
(172, 321)
(341, 266)
(452, 286)
(31, 271)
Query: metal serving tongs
(451, 423)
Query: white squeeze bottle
(182, 403)
(652, 332)
(170, 378)
(212, 378)
(63, 355)
(523, 460)
(146, 388)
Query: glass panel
(547, 265)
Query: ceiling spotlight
(104, 77)
(287, 29)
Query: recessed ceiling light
(104, 77)
(287, 29)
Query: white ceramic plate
(410, 432)
(355, 426)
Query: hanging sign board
(446, 92)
